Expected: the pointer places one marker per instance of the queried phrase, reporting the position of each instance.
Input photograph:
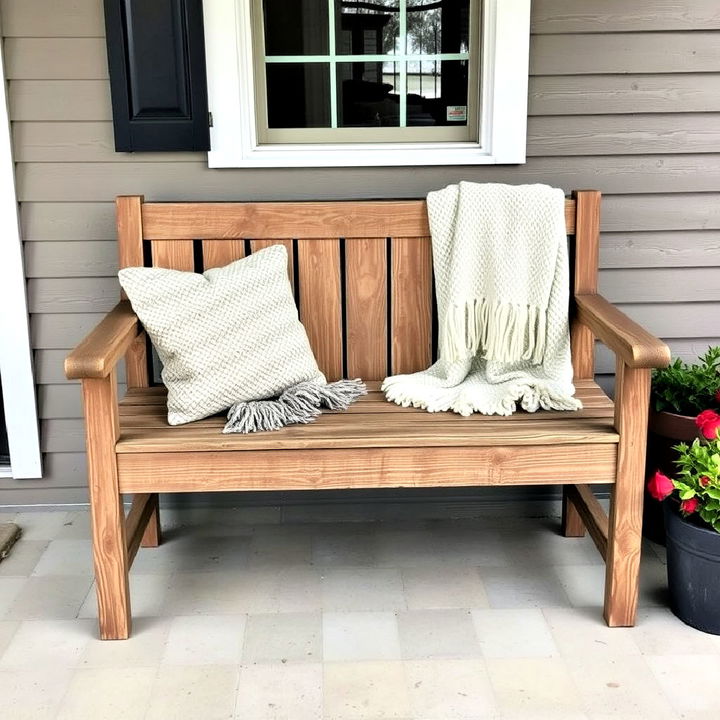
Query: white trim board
(16, 371)
(232, 96)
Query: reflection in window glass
(437, 93)
(438, 26)
(367, 28)
(296, 27)
(367, 94)
(298, 95)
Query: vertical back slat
(217, 253)
(366, 307)
(256, 245)
(411, 304)
(587, 244)
(130, 249)
(173, 254)
(320, 302)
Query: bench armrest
(99, 352)
(628, 340)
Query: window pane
(367, 27)
(367, 94)
(298, 95)
(438, 26)
(437, 93)
(296, 27)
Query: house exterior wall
(624, 97)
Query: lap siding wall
(622, 99)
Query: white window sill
(360, 155)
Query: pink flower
(688, 507)
(709, 423)
(704, 480)
(660, 486)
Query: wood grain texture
(591, 514)
(108, 519)
(171, 221)
(364, 219)
(627, 52)
(640, 134)
(40, 58)
(371, 422)
(635, 345)
(217, 253)
(585, 272)
(617, 174)
(152, 537)
(366, 307)
(411, 304)
(568, 95)
(606, 16)
(571, 524)
(369, 468)
(136, 362)
(97, 355)
(142, 508)
(58, 100)
(52, 18)
(320, 302)
(70, 259)
(626, 501)
(177, 255)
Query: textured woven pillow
(227, 336)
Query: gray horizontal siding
(548, 136)
(623, 97)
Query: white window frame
(232, 97)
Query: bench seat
(372, 422)
(374, 444)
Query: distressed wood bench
(361, 272)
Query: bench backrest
(361, 271)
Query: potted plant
(679, 393)
(692, 521)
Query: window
(366, 82)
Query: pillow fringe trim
(300, 404)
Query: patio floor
(425, 619)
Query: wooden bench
(361, 272)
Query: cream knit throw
(501, 277)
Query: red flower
(709, 423)
(704, 480)
(660, 486)
(688, 507)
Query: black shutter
(156, 57)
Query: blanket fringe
(502, 332)
(301, 403)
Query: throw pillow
(230, 335)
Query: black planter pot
(693, 566)
(665, 430)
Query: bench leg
(572, 524)
(626, 502)
(108, 517)
(152, 536)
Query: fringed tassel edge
(502, 332)
(301, 403)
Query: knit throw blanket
(501, 277)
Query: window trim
(231, 91)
